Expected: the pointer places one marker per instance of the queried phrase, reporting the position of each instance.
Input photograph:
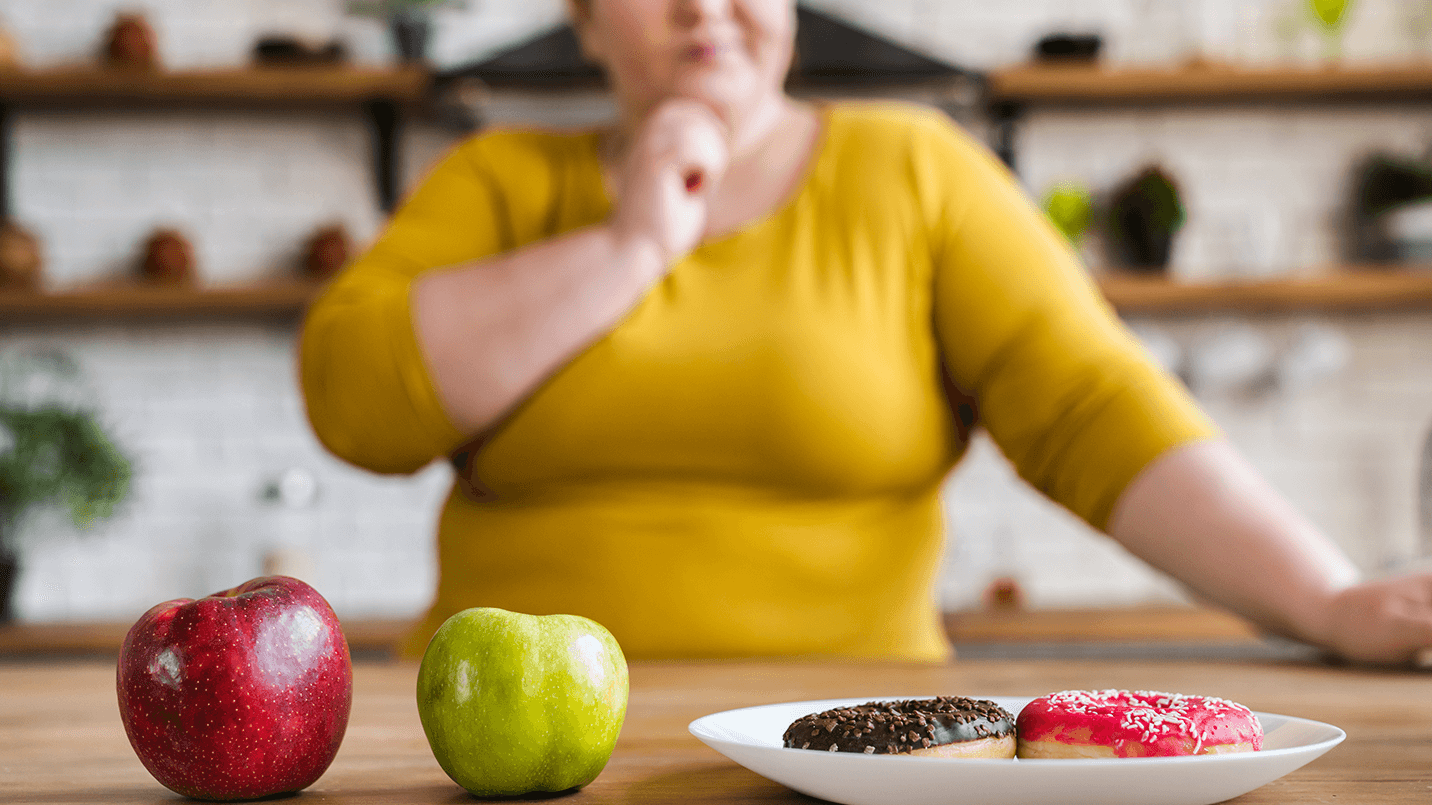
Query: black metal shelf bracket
(385, 120)
(6, 148)
(1005, 115)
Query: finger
(701, 159)
(692, 137)
(1423, 660)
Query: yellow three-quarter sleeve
(364, 380)
(1063, 388)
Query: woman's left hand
(1388, 621)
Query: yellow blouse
(749, 464)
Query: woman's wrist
(642, 257)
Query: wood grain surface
(61, 740)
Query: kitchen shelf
(262, 85)
(1011, 90)
(1094, 84)
(289, 297)
(382, 94)
(1349, 289)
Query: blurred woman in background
(702, 373)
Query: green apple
(515, 703)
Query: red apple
(239, 695)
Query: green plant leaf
(62, 457)
(1330, 13)
(1071, 208)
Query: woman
(702, 374)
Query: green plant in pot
(53, 452)
(410, 22)
(1144, 215)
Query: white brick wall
(212, 412)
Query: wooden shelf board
(1353, 288)
(1364, 289)
(278, 297)
(1086, 84)
(247, 85)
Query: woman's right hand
(664, 184)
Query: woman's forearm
(491, 331)
(1202, 514)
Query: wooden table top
(61, 740)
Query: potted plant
(53, 452)
(410, 22)
(1145, 213)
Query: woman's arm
(1203, 515)
(491, 331)
(463, 304)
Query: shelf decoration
(409, 21)
(1331, 16)
(21, 259)
(132, 44)
(327, 251)
(168, 258)
(10, 56)
(1145, 213)
(1070, 207)
(54, 451)
(1385, 184)
(282, 50)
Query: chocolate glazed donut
(948, 726)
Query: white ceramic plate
(752, 737)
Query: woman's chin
(727, 96)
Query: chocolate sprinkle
(897, 727)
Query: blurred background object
(409, 21)
(11, 54)
(1145, 214)
(1071, 207)
(327, 251)
(1316, 353)
(168, 258)
(1390, 195)
(54, 451)
(294, 51)
(21, 260)
(1067, 47)
(131, 43)
(1332, 18)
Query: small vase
(411, 32)
(168, 258)
(131, 43)
(20, 258)
(327, 251)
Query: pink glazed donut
(1142, 723)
